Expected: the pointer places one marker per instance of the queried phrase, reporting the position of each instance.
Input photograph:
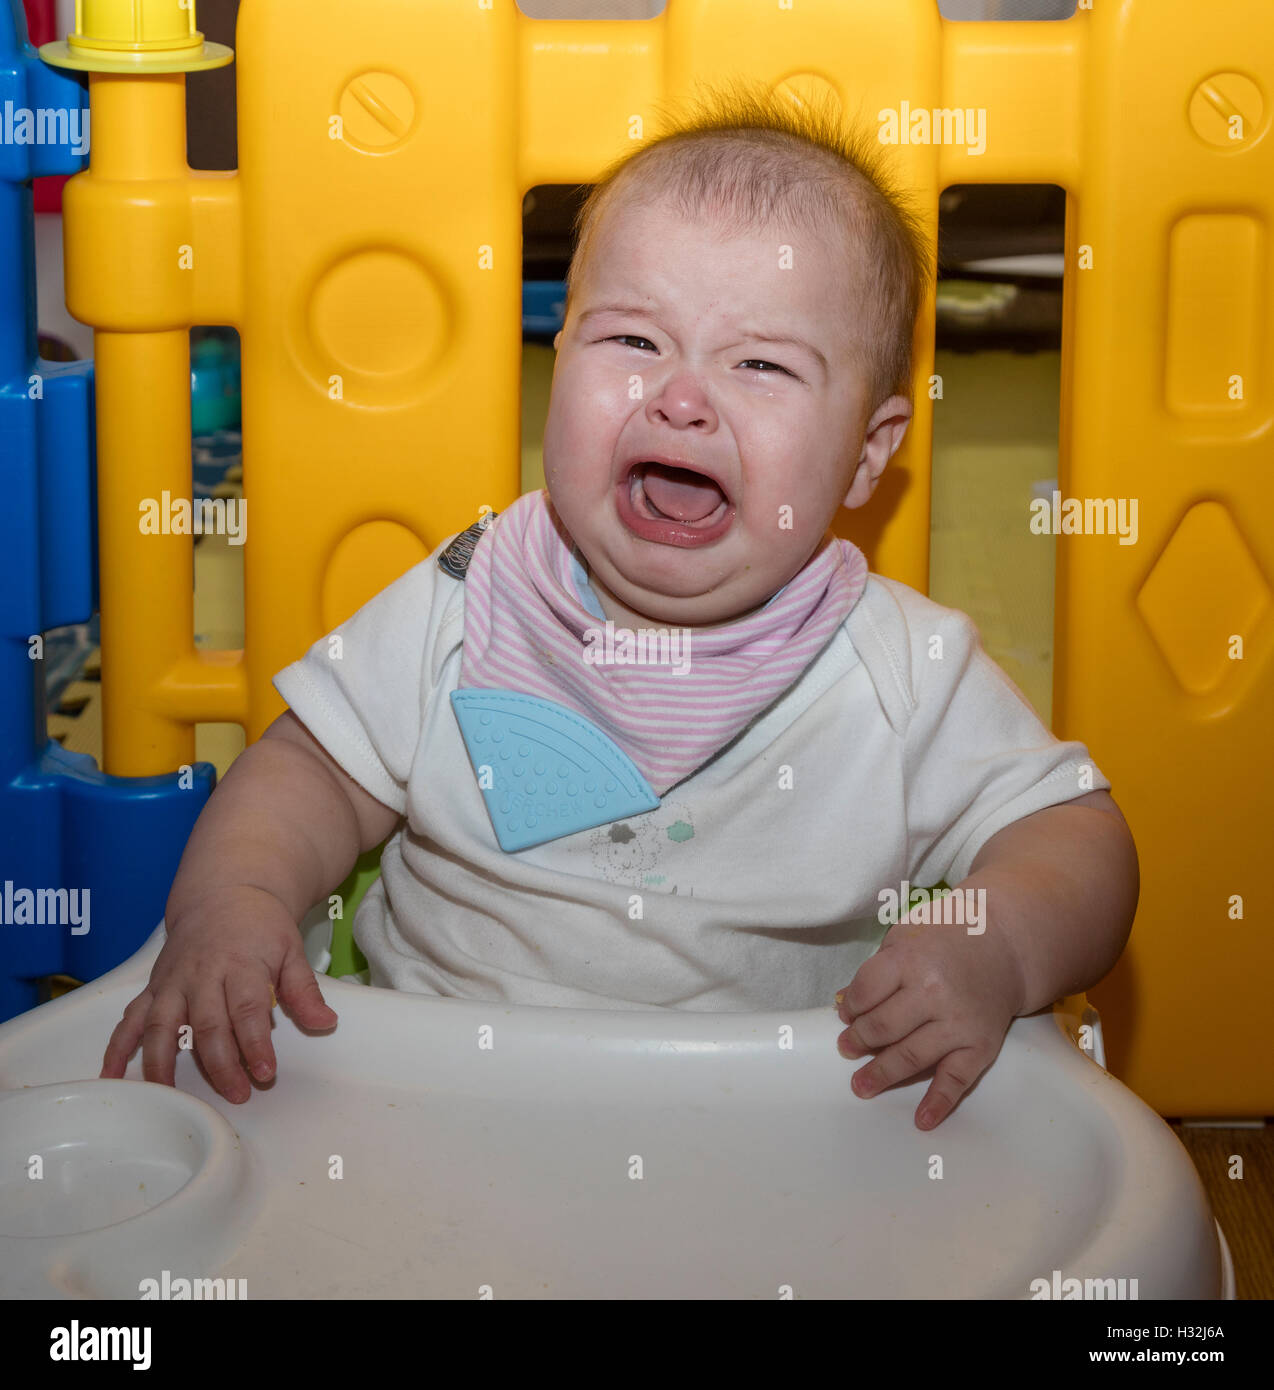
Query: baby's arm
(1061, 892)
(1069, 883)
(282, 829)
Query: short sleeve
(977, 756)
(361, 688)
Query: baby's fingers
(299, 990)
(159, 1036)
(877, 978)
(955, 1074)
(249, 996)
(898, 1017)
(957, 1069)
(905, 1058)
(215, 1037)
(127, 1034)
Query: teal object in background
(215, 399)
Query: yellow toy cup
(135, 36)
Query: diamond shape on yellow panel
(1204, 589)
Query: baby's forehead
(726, 222)
(848, 261)
(843, 251)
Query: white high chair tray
(579, 1154)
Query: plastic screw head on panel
(1226, 110)
(377, 111)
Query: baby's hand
(218, 971)
(931, 994)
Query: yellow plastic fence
(368, 250)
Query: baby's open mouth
(661, 492)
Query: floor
(995, 441)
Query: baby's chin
(655, 609)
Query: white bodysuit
(756, 883)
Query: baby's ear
(882, 435)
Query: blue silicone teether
(549, 771)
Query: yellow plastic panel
(1175, 226)
(1202, 628)
(368, 250)
(1215, 333)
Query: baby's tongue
(679, 493)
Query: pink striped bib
(669, 697)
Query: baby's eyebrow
(617, 309)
